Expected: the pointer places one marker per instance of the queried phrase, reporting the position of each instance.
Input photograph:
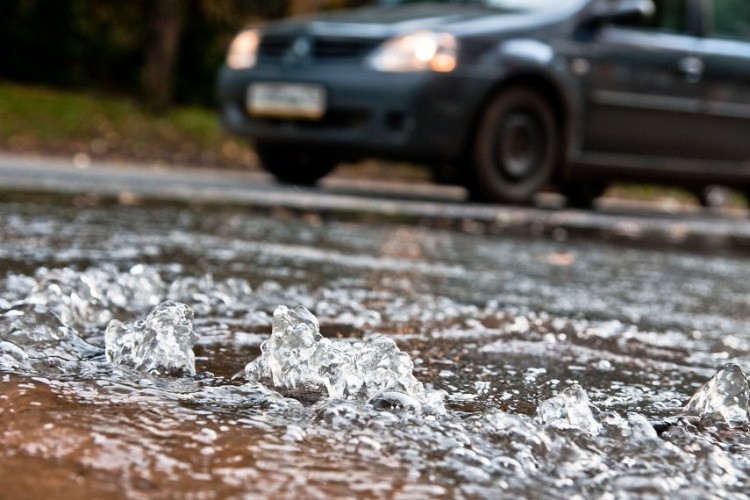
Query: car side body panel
(724, 132)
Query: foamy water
(505, 379)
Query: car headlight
(420, 51)
(243, 51)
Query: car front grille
(276, 47)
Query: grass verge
(49, 121)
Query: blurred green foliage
(101, 45)
(40, 119)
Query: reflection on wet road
(562, 366)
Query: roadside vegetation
(40, 120)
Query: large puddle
(137, 359)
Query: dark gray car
(514, 95)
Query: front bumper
(423, 117)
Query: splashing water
(569, 410)
(725, 395)
(33, 337)
(298, 357)
(219, 432)
(91, 297)
(206, 295)
(162, 344)
(33, 324)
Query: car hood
(379, 21)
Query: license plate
(286, 100)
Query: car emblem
(301, 49)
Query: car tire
(581, 194)
(292, 165)
(516, 149)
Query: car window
(731, 19)
(670, 16)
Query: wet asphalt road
(419, 203)
(502, 324)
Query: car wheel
(516, 148)
(292, 165)
(582, 194)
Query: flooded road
(131, 362)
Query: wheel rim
(521, 146)
(516, 148)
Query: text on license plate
(286, 100)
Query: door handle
(692, 67)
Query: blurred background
(134, 82)
(124, 80)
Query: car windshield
(509, 5)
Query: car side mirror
(623, 11)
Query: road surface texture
(199, 340)
(423, 203)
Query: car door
(725, 52)
(643, 86)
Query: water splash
(76, 298)
(298, 357)
(33, 324)
(32, 337)
(569, 410)
(725, 396)
(162, 344)
(206, 295)
(89, 299)
(14, 288)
